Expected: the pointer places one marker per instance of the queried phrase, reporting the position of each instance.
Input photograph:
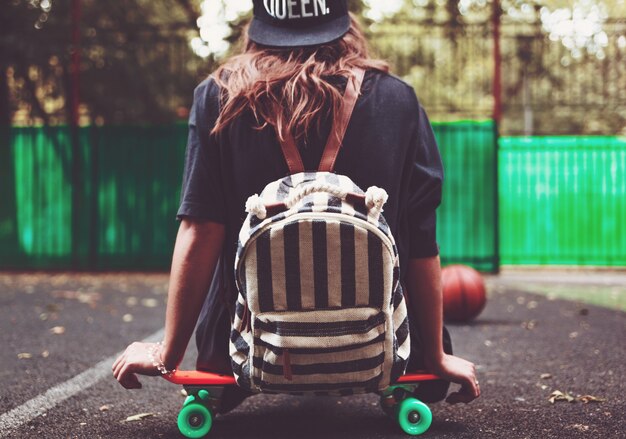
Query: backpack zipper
(287, 365)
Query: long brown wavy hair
(290, 88)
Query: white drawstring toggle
(255, 206)
(375, 198)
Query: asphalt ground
(55, 327)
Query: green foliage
(136, 64)
(547, 89)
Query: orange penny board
(198, 378)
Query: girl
(290, 78)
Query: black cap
(298, 23)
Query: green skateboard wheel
(189, 400)
(195, 420)
(414, 416)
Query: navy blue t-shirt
(389, 143)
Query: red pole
(75, 69)
(77, 176)
(497, 58)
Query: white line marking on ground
(28, 411)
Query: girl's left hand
(460, 371)
(135, 360)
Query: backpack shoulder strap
(291, 154)
(337, 132)
(340, 123)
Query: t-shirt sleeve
(425, 187)
(202, 195)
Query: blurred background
(527, 99)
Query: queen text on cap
(288, 9)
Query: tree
(137, 66)
(549, 89)
(136, 63)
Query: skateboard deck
(204, 390)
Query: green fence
(139, 174)
(108, 200)
(563, 200)
(468, 216)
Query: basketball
(464, 293)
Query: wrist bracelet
(154, 354)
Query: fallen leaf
(149, 302)
(590, 398)
(105, 408)
(131, 301)
(580, 427)
(58, 330)
(139, 417)
(24, 355)
(545, 376)
(45, 354)
(183, 392)
(573, 334)
(127, 318)
(530, 325)
(90, 298)
(53, 307)
(557, 395)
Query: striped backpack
(320, 308)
